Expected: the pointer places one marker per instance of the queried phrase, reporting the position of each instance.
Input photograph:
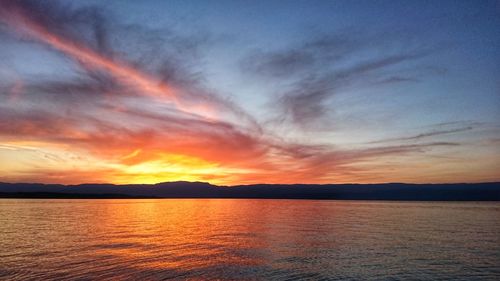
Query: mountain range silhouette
(182, 189)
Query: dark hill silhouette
(387, 191)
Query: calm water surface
(247, 239)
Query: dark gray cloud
(313, 54)
(164, 52)
(321, 67)
(427, 134)
(397, 79)
(169, 57)
(440, 129)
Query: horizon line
(253, 184)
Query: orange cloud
(145, 84)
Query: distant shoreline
(63, 196)
(55, 195)
(199, 190)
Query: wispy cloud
(138, 104)
(321, 67)
(426, 135)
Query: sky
(244, 92)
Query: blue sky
(463, 36)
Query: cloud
(397, 79)
(160, 140)
(82, 35)
(315, 70)
(426, 135)
(295, 60)
(137, 103)
(439, 129)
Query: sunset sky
(240, 92)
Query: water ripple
(248, 240)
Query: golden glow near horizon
(117, 122)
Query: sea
(246, 239)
